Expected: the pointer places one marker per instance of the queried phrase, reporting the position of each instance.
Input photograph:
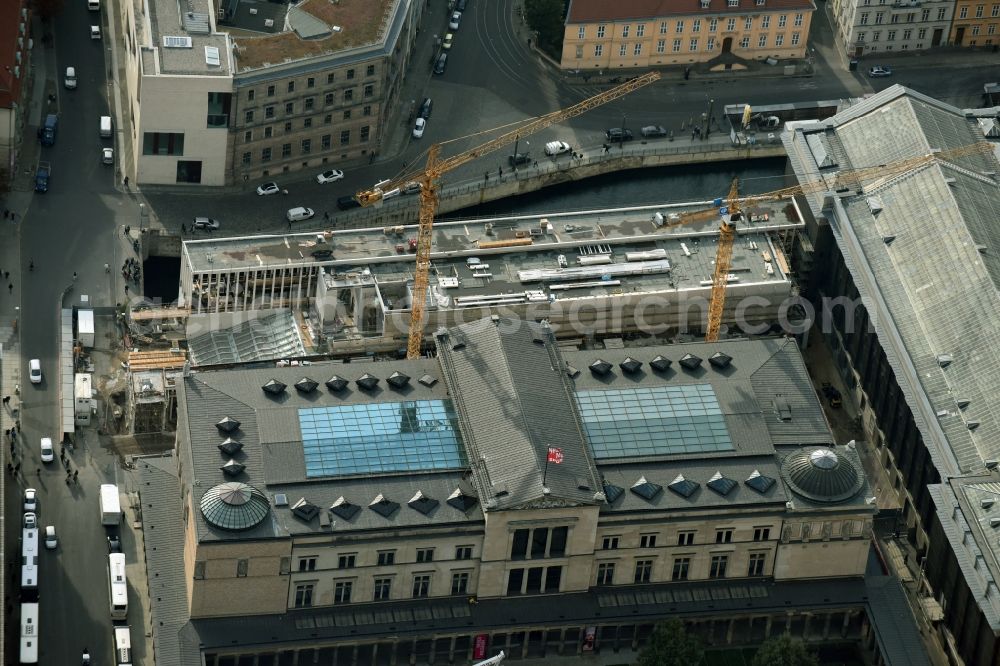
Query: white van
(70, 80)
(106, 126)
(94, 5)
(35, 371)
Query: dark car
(617, 134)
(653, 131)
(426, 107)
(461, 5)
(441, 63)
(518, 159)
(114, 544)
(347, 203)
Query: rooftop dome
(821, 475)
(234, 506)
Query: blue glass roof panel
(662, 420)
(381, 437)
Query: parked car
(456, 18)
(653, 131)
(50, 537)
(412, 187)
(347, 203)
(329, 176)
(879, 70)
(70, 80)
(441, 63)
(461, 5)
(30, 521)
(556, 148)
(48, 453)
(114, 544)
(418, 128)
(35, 371)
(95, 32)
(617, 134)
(30, 500)
(107, 155)
(299, 213)
(266, 189)
(206, 223)
(426, 107)
(832, 395)
(446, 42)
(518, 159)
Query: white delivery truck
(85, 327)
(111, 508)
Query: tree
(545, 18)
(784, 651)
(671, 645)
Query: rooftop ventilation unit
(398, 380)
(630, 365)
(428, 381)
(383, 506)
(499, 489)
(233, 468)
(875, 205)
(888, 239)
(306, 385)
(962, 402)
(987, 503)
(600, 367)
(461, 500)
(994, 522)
(228, 425)
(336, 383)
(305, 510)
(268, 23)
(690, 362)
(972, 425)
(212, 56)
(422, 503)
(660, 363)
(274, 387)
(582, 483)
(720, 360)
(367, 382)
(344, 509)
(571, 371)
(172, 42)
(782, 409)
(280, 499)
(944, 360)
(991, 464)
(230, 446)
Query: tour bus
(29, 559)
(123, 646)
(117, 586)
(29, 633)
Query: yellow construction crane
(434, 170)
(846, 179)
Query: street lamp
(622, 143)
(517, 139)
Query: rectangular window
(731, 24)
(269, 112)
(907, 34)
(922, 33)
(270, 91)
(347, 560)
(710, 46)
(425, 554)
(760, 3)
(307, 123)
(307, 564)
(757, 562)
(598, 50)
(663, 27)
(291, 86)
(310, 101)
(647, 541)
(661, 45)
(798, 20)
(685, 538)
(909, 17)
(581, 33)
(249, 116)
(369, 90)
(519, 545)
(679, 27)
(925, 15)
(329, 78)
(995, 11)
(241, 567)
(304, 595)
(779, 40)
(733, 3)
(289, 107)
(460, 583)
(781, 20)
(534, 583)
(861, 37)
(606, 573)
(248, 136)
(288, 126)
(265, 155)
(600, 31)
(894, 18)
(553, 577)
(328, 99)
(539, 540)
(677, 46)
(640, 30)
(385, 557)
(975, 30)
(941, 13)
(643, 571)
(514, 581)
(286, 150)
(864, 18)
(421, 582)
(382, 588)
(310, 82)
(761, 533)
(366, 110)
(625, 31)
(992, 29)
(610, 543)
(246, 159)
(748, 23)
(250, 94)
(328, 119)
(979, 11)
(745, 43)
(325, 143)
(350, 74)
(637, 50)
(718, 566)
(345, 137)
(342, 592)
(463, 552)
(681, 567)
(696, 27)
(347, 114)
(622, 50)
(765, 22)
(557, 542)
(162, 143)
(349, 94)
(724, 536)
(963, 13)
(693, 45)
(713, 25)
(876, 36)
(890, 36)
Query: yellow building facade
(976, 23)
(646, 33)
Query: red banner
(588, 639)
(480, 645)
(555, 455)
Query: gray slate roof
(761, 372)
(516, 401)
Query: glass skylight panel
(659, 420)
(380, 437)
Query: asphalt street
(70, 229)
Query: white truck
(85, 328)
(111, 507)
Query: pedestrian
(326, 215)
(500, 172)
(10, 288)
(126, 289)
(486, 177)
(6, 401)
(76, 474)
(107, 268)
(10, 468)
(17, 467)
(128, 230)
(126, 182)
(31, 265)
(74, 276)
(39, 472)
(289, 224)
(7, 433)
(536, 163)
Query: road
(70, 229)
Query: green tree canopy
(784, 651)
(545, 18)
(671, 645)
